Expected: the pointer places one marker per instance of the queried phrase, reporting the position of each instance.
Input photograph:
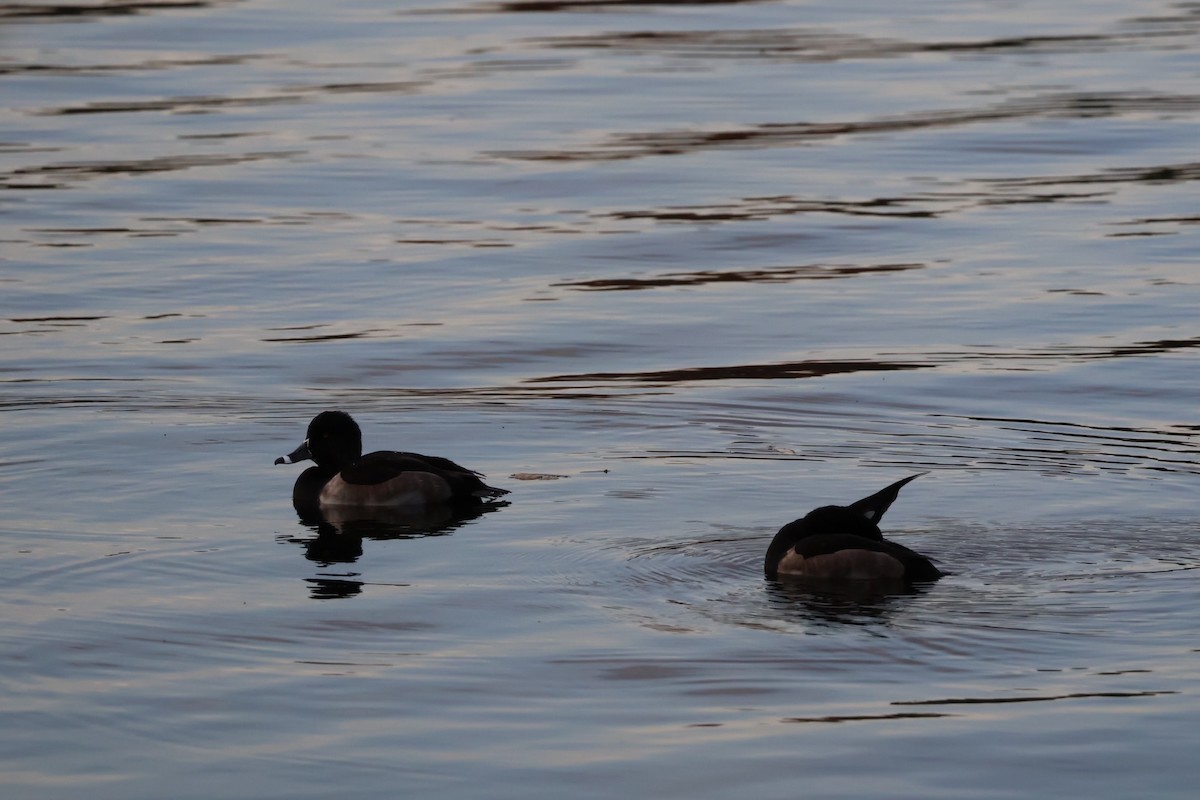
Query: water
(674, 273)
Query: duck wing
(385, 465)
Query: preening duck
(844, 543)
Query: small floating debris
(535, 476)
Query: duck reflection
(332, 588)
(338, 534)
(840, 603)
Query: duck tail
(485, 492)
(873, 507)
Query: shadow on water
(339, 536)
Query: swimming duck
(343, 476)
(844, 543)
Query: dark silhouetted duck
(343, 476)
(844, 543)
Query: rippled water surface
(672, 272)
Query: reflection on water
(714, 261)
(90, 10)
(814, 44)
(809, 369)
(868, 717)
(980, 700)
(340, 532)
(855, 603)
(774, 275)
(794, 134)
(524, 6)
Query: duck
(844, 543)
(386, 479)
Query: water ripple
(783, 134)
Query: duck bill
(301, 453)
